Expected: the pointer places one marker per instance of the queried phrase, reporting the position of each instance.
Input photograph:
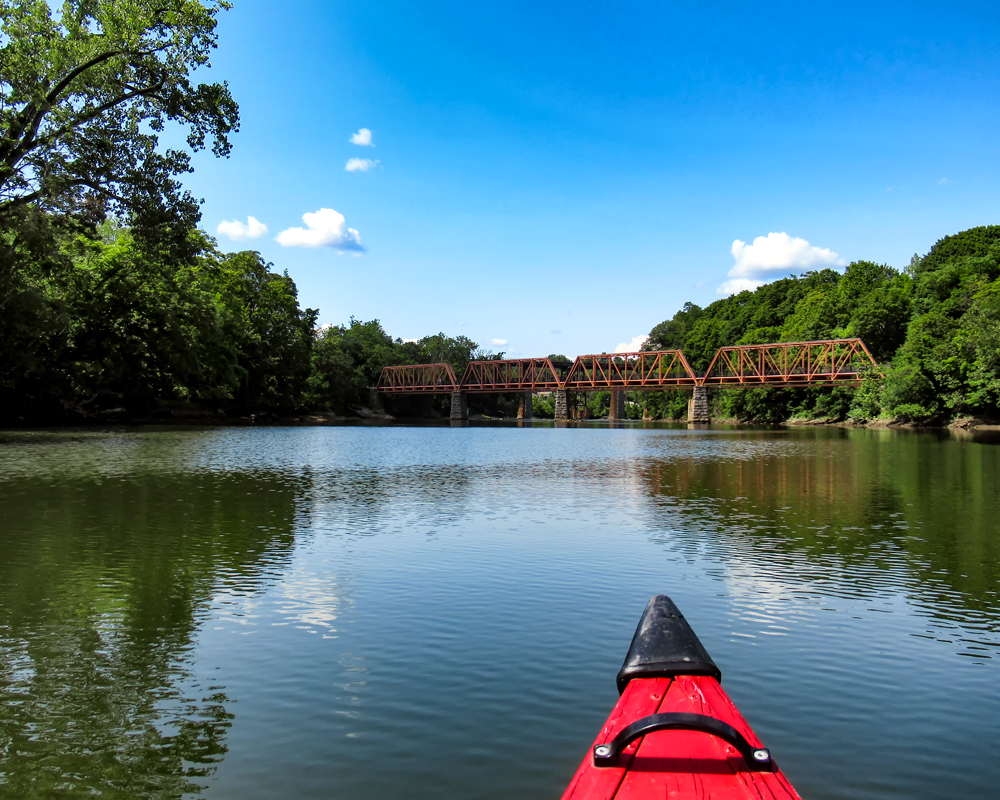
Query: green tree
(272, 336)
(457, 351)
(979, 343)
(141, 329)
(815, 317)
(347, 360)
(671, 334)
(87, 86)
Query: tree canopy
(86, 87)
(934, 328)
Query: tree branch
(73, 74)
(34, 114)
(146, 91)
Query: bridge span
(827, 362)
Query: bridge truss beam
(513, 375)
(790, 364)
(656, 369)
(418, 379)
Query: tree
(672, 333)
(457, 351)
(140, 330)
(271, 333)
(85, 89)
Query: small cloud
(362, 137)
(773, 255)
(237, 231)
(463, 322)
(555, 331)
(632, 347)
(737, 285)
(943, 181)
(360, 164)
(499, 341)
(410, 341)
(324, 228)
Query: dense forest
(114, 304)
(934, 327)
(97, 324)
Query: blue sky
(560, 177)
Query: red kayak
(675, 733)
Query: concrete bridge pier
(698, 405)
(617, 408)
(524, 408)
(459, 406)
(562, 403)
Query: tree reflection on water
(865, 513)
(103, 586)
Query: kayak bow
(674, 732)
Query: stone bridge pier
(617, 408)
(459, 405)
(698, 405)
(524, 407)
(562, 403)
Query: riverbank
(196, 417)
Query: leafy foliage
(347, 361)
(85, 90)
(935, 330)
(101, 323)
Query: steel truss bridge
(830, 362)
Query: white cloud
(773, 255)
(410, 341)
(237, 231)
(632, 347)
(737, 285)
(362, 137)
(499, 341)
(324, 228)
(360, 164)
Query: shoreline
(322, 419)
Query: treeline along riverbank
(98, 324)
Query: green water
(408, 612)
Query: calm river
(438, 612)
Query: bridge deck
(829, 362)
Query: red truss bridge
(829, 362)
(513, 375)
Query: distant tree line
(933, 327)
(99, 324)
(97, 320)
